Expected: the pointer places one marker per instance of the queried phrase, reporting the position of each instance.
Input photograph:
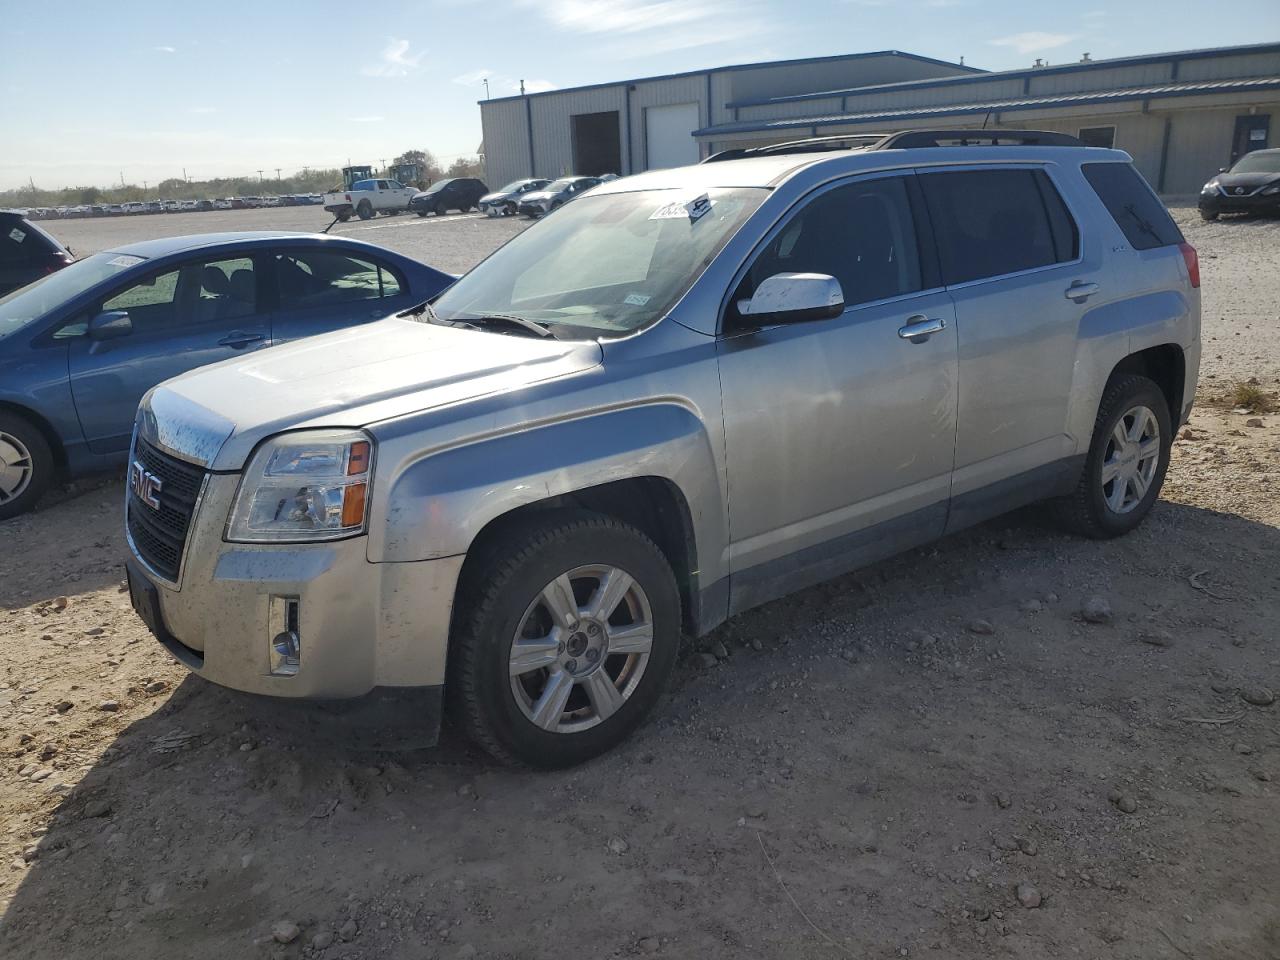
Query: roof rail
(855, 141)
(905, 140)
(912, 139)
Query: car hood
(538, 196)
(1250, 181)
(495, 197)
(349, 378)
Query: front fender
(436, 505)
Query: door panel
(186, 317)
(839, 433)
(1010, 250)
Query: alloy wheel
(16, 467)
(1131, 459)
(581, 648)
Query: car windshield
(515, 186)
(33, 301)
(1258, 162)
(556, 185)
(437, 186)
(604, 265)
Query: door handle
(237, 339)
(920, 328)
(1080, 291)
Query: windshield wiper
(423, 307)
(521, 323)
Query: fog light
(286, 646)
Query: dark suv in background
(27, 253)
(1251, 186)
(458, 193)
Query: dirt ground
(939, 756)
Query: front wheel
(1209, 215)
(420, 211)
(1127, 460)
(566, 641)
(26, 465)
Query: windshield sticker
(124, 260)
(637, 299)
(683, 209)
(16, 235)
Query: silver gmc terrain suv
(688, 393)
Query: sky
(91, 91)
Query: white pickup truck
(367, 198)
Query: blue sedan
(79, 348)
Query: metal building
(1180, 115)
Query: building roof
(987, 76)
(745, 66)
(1150, 92)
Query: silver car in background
(690, 392)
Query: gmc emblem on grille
(145, 485)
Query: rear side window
(322, 278)
(1133, 205)
(989, 223)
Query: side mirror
(794, 297)
(1222, 169)
(110, 325)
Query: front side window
(862, 234)
(322, 278)
(989, 223)
(152, 304)
(604, 265)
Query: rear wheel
(26, 465)
(364, 210)
(566, 641)
(1126, 463)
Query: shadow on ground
(895, 772)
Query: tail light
(1192, 261)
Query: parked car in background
(224, 203)
(683, 396)
(27, 253)
(1251, 186)
(368, 198)
(79, 349)
(504, 202)
(456, 193)
(537, 203)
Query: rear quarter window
(1133, 205)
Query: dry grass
(1250, 395)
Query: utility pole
(277, 174)
(144, 189)
(259, 176)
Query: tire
(420, 211)
(365, 210)
(441, 210)
(503, 599)
(1209, 215)
(27, 466)
(1102, 510)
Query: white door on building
(669, 135)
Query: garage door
(669, 135)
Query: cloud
(1033, 41)
(165, 49)
(394, 62)
(365, 119)
(472, 77)
(649, 27)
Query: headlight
(1270, 191)
(1209, 187)
(310, 485)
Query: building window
(1098, 136)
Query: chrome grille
(160, 535)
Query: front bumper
(1254, 203)
(360, 624)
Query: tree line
(307, 180)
